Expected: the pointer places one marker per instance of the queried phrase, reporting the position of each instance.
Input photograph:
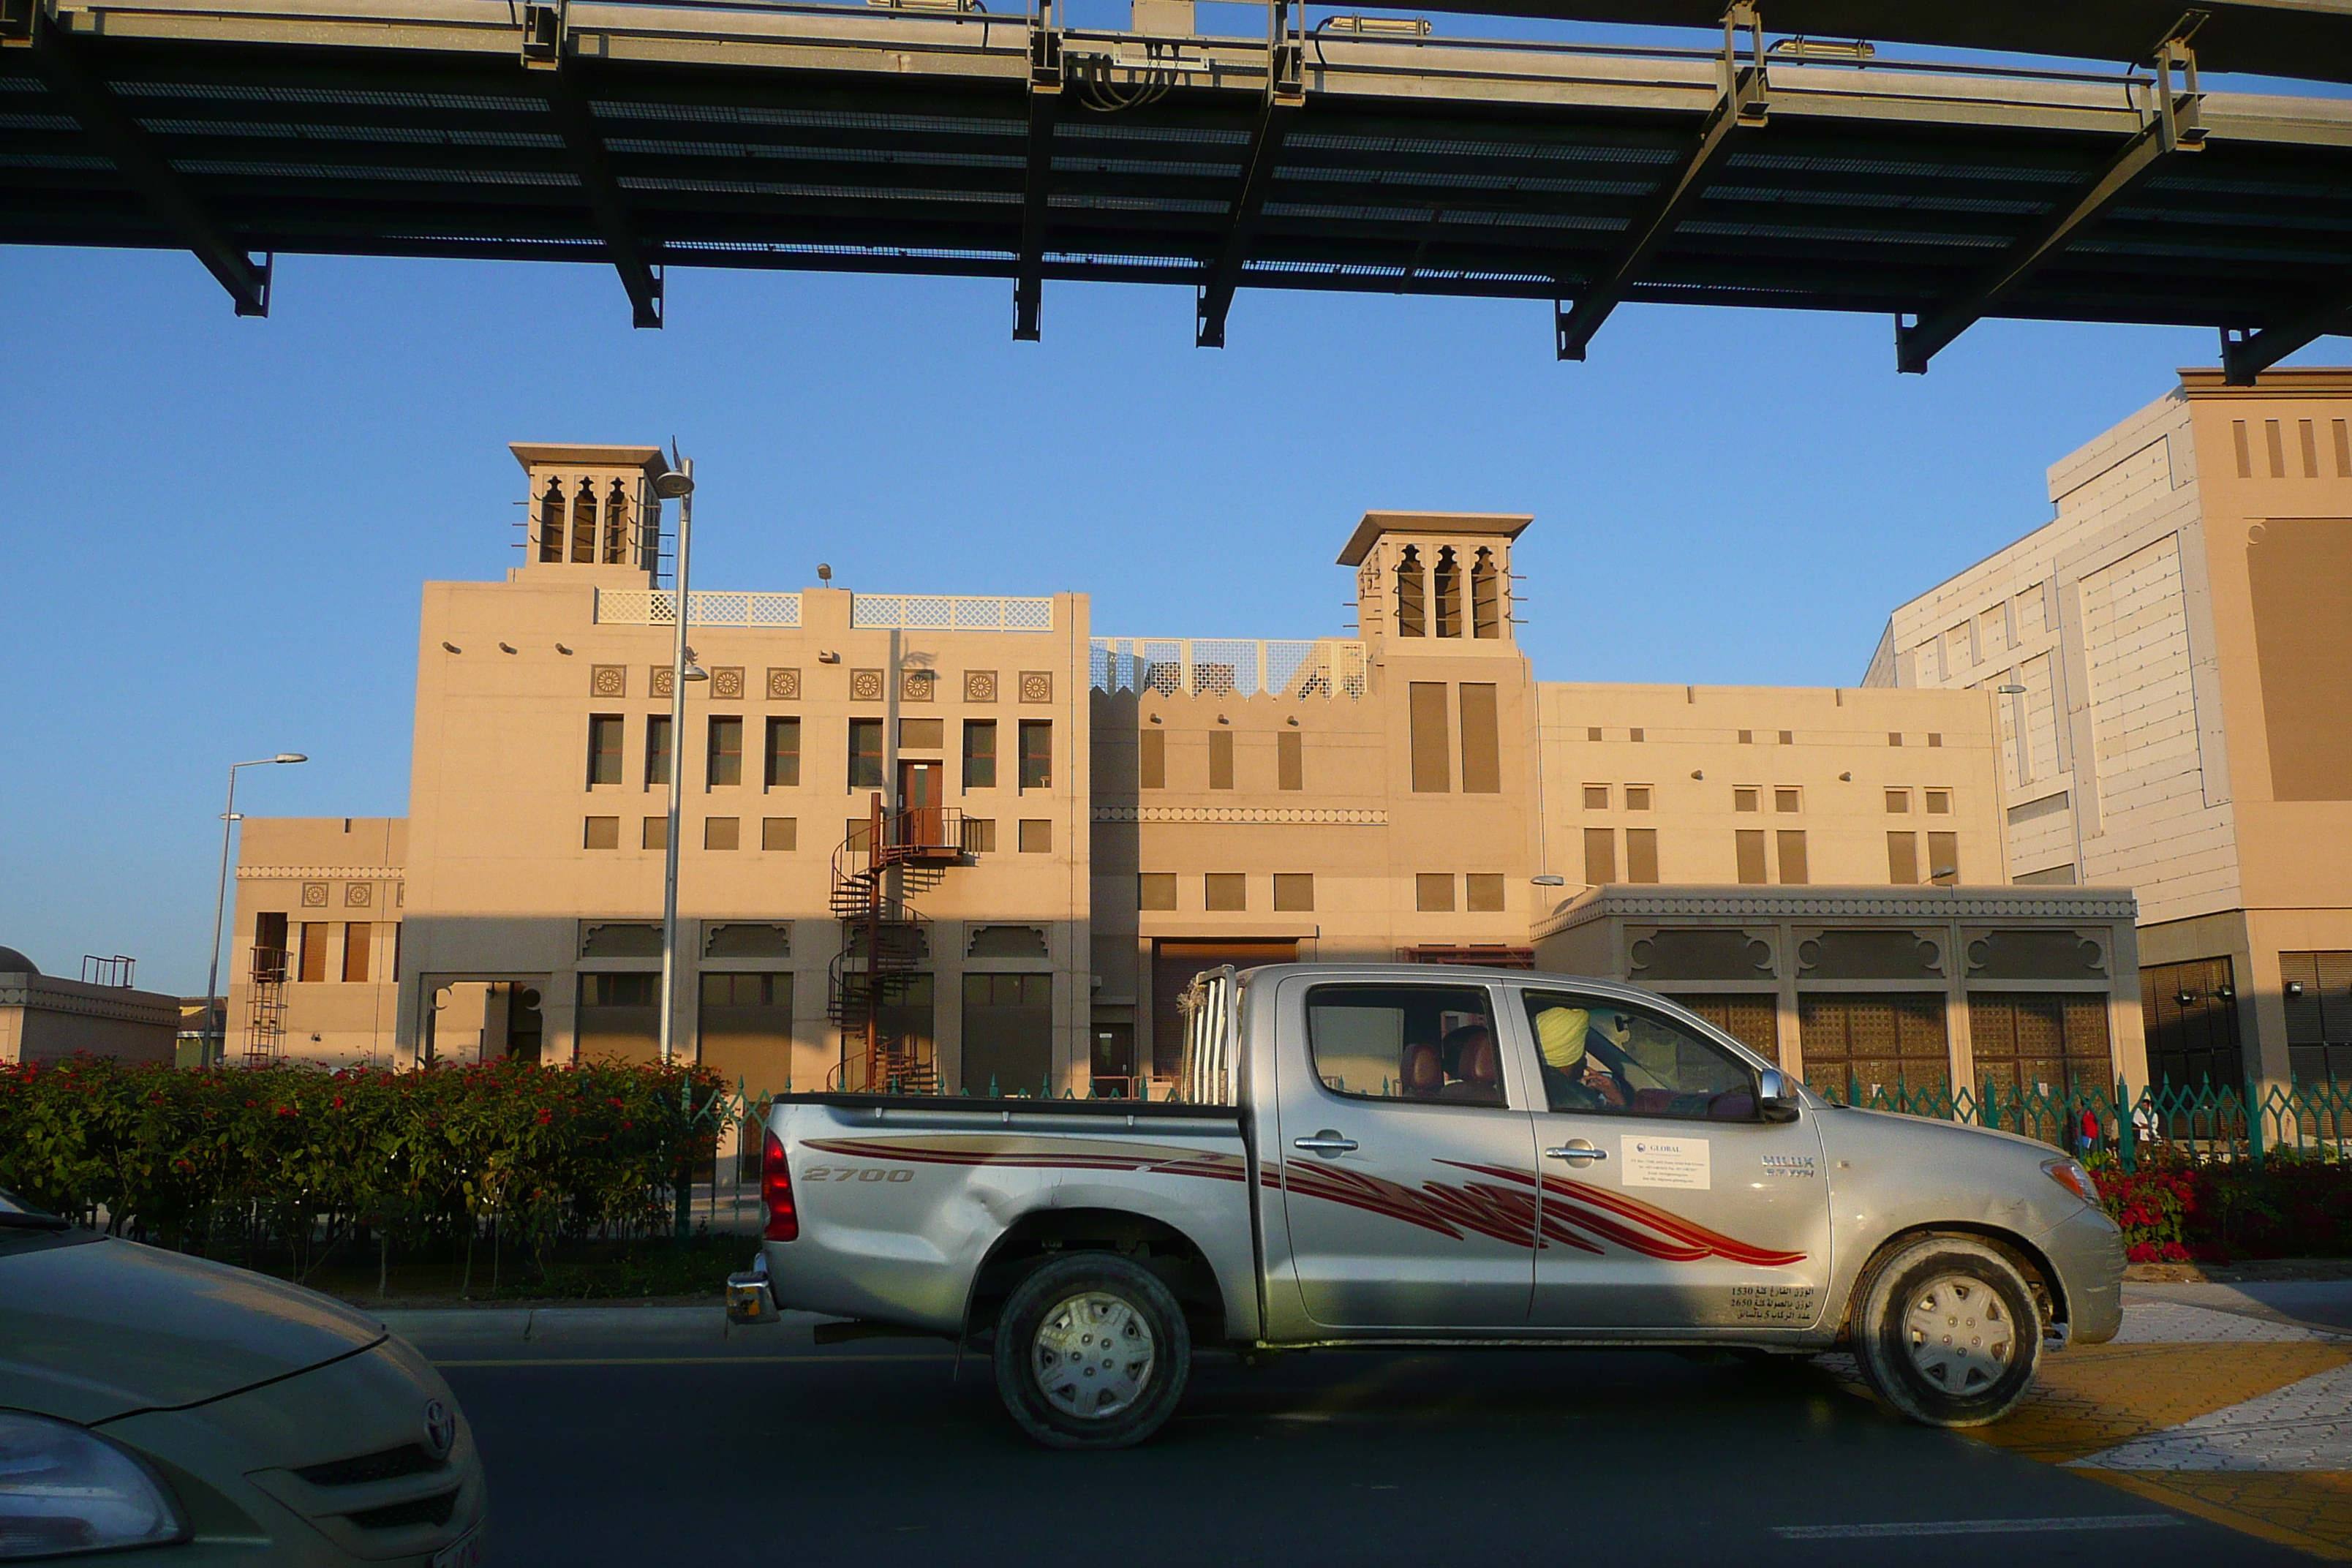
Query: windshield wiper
(12, 1220)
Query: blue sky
(215, 529)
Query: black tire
(1945, 1330)
(1068, 1389)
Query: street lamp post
(215, 1027)
(677, 485)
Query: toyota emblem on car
(440, 1428)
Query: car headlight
(64, 1489)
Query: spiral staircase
(885, 940)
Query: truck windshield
(1405, 1042)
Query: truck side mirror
(1776, 1097)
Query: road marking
(1971, 1527)
(689, 1360)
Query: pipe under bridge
(933, 137)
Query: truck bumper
(2087, 1251)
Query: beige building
(1072, 825)
(2168, 662)
(46, 1018)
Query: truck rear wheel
(1092, 1351)
(1947, 1332)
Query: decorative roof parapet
(1780, 903)
(320, 873)
(1249, 815)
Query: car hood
(99, 1330)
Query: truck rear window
(1405, 1042)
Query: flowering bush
(2178, 1211)
(277, 1152)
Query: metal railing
(1230, 667)
(2208, 1121)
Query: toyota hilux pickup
(1388, 1155)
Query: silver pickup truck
(1396, 1155)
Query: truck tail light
(776, 1190)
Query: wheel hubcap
(1961, 1335)
(1092, 1356)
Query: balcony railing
(658, 607)
(950, 612)
(1230, 667)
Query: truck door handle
(1326, 1142)
(1577, 1151)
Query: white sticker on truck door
(1665, 1162)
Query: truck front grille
(408, 1459)
(434, 1510)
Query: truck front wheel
(1092, 1351)
(1947, 1332)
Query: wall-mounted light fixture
(2187, 998)
(828, 657)
(1550, 881)
(453, 647)
(2010, 690)
(2294, 987)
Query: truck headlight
(64, 1489)
(2071, 1175)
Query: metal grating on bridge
(945, 142)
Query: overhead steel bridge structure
(1368, 155)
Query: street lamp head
(674, 485)
(695, 672)
(289, 757)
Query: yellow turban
(1560, 1031)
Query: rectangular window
(2342, 429)
(857, 832)
(1747, 737)
(1902, 860)
(722, 832)
(1898, 802)
(1593, 733)
(1596, 797)
(601, 833)
(656, 749)
(1599, 855)
(1633, 734)
(1036, 753)
(1294, 891)
(922, 734)
(979, 835)
(1940, 802)
(1482, 740)
(2245, 453)
(1036, 836)
(1221, 759)
(2274, 445)
(1155, 890)
(1788, 737)
(1482, 893)
(779, 832)
(726, 752)
(1226, 890)
(1433, 892)
(1747, 800)
(1637, 797)
(604, 749)
(1750, 845)
(314, 951)
(1289, 761)
(1895, 737)
(980, 754)
(1151, 759)
(1794, 870)
(1388, 1042)
(1934, 739)
(356, 936)
(1944, 858)
(1425, 713)
(1640, 854)
(1008, 1033)
(783, 753)
(865, 754)
(1785, 800)
(2307, 433)
(657, 833)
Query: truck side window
(1405, 1042)
(1599, 1056)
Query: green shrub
(184, 1158)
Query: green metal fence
(2229, 1122)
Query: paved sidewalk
(2233, 1403)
